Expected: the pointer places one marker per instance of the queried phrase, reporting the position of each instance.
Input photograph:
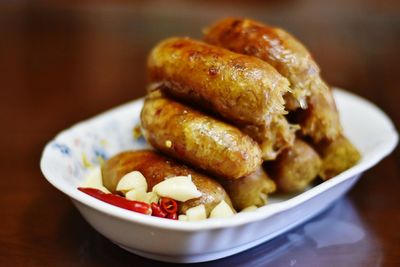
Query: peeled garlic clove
(132, 180)
(151, 197)
(222, 210)
(136, 194)
(197, 213)
(249, 208)
(94, 180)
(182, 217)
(180, 188)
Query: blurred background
(94, 52)
(65, 61)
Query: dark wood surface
(62, 63)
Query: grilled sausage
(198, 139)
(292, 60)
(337, 156)
(295, 167)
(242, 89)
(155, 168)
(251, 190)
(320, 120)
(273, 138)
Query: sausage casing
(295, 167)
(337, 156)
(198, 139)
(251, 190)
(242, 89)
(155, 168)
(293, 61)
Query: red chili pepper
(118, 201)
(157, 211)
(172, 216)
(169, 205)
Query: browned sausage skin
(273, 45)
(198, 139)
(243, 89)
(251, 190)
(293, 61)
(155, 168)
(295, 167)
(337, 156)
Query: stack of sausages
(248, 94)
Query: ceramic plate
(67, 158)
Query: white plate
(65, 159)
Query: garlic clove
(249, 208)
(151, 197)
(180, 188)
(132, 180)
(136, 194)
(222, 210)
(182, 217)
(94, 180)
(197, 213)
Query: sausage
(243, 89)
(337, 156)
(292, 60)
(295, 167)
(273, 138)
(251, 190)
(198, 139)
(273, 45)
(320, 120)
(155, 168)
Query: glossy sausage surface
(293, 61)
(295, 167)
(198, 139)
(241, 88)
(251, 190)
(155, 168)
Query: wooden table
(62, 63)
